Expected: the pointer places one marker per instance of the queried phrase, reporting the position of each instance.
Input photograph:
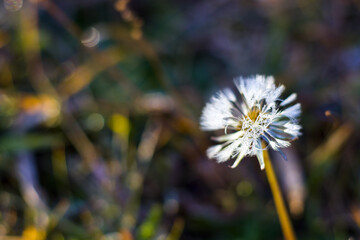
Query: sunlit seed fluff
(248, 116)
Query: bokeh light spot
(244, 189)
(95, 122)
(120, 125)
(91, 38)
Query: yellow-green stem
(278, 199)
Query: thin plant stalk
(285, 222)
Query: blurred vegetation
(99, 108)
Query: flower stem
(278, 199)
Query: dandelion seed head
(253, 114)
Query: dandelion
(252, 115)
(253, 119)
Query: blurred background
(99, 118)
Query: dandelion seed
(253, 114)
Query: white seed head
(253, 114)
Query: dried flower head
(253, 114)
